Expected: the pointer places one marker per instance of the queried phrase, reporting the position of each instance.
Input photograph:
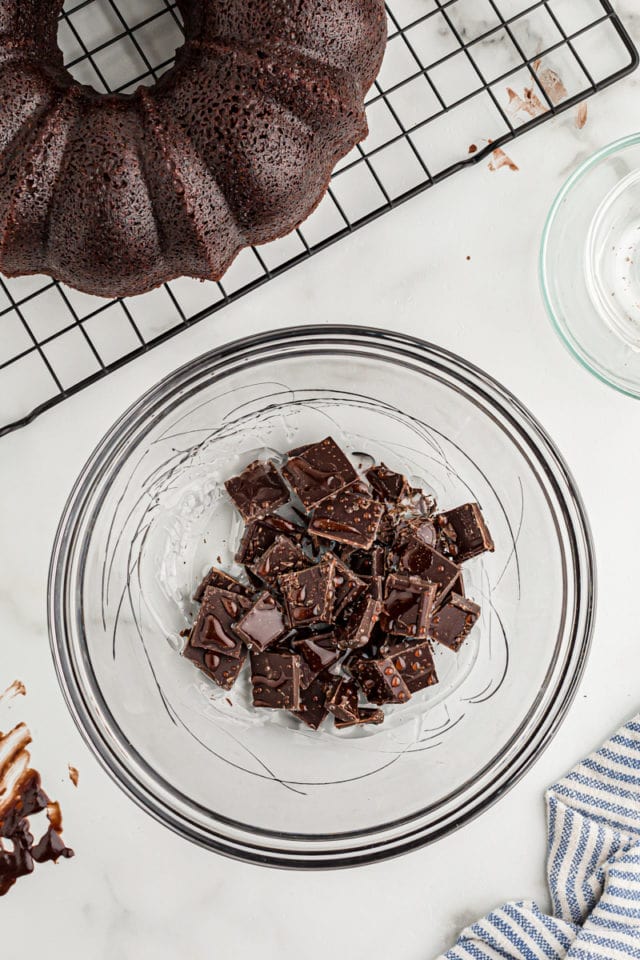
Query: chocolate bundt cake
(115, 194)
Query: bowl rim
(571, 343)
(536, 740)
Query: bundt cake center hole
(116, 48)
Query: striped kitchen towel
(593, 869)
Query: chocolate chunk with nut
(313, 710)
(408, 603)
(262, 625)
(319, 470)
(452, 623)
(464, 533)
(347, 584)
(358, 629)
(309, 594)
(419, 560)
(347, 518)
(388, 484)
(342, 702)
(380, 681)
(275, 678)
(213, 629)
(415, 664)
(259, 489)
(260, 534)
(363, 715)
(317, 655)
(221, 669)
(218, 578)
(283, 556)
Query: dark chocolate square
(388, 484)
(221, 669)
(262, 625)
(213, 629)
(283, 556)
(414, 662)
(359, 626)
(317, 655)
(464, 533)
(313, 710)
(259, 489)
(309, 594)
(317, 471)
(408, 603)
(380, 681)
(347, 584)
(342, 701)
(364, 715)
(417, 559)
(347, 518)
(275, 678)
(452, 623)
(218, 578)
(260, 534)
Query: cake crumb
(582, 115)
(74, 775)
(473, 148)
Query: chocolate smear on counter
(15, 689)
(21, 796)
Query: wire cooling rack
(460, 78)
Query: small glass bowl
(149, 514)
(590, 265)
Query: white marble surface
(135, 890)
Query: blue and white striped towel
(593, 869)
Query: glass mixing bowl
(149, 514)
(590, 264)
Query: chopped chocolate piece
(419, 560)
(319, 470)
(380, 681)
(424, 530)
(282, 556)
(456, 587)
(420, 502)
(275, 678)
(213, 628)
(222, 669)
(347, 585)
(364, 715)
(312, 703)
(386, 483)
(387, 528)
(317, 655)
(263, 624)
(347, 518)
(260, 534)
(367, 563)
(415, 664)
(218, 578)
(452, 623)
(408, 602)
(464, 533)
(309, 594)
(259, 489)
(376, 588)
(342, 701)
(357, 630)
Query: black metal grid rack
(460, 79)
